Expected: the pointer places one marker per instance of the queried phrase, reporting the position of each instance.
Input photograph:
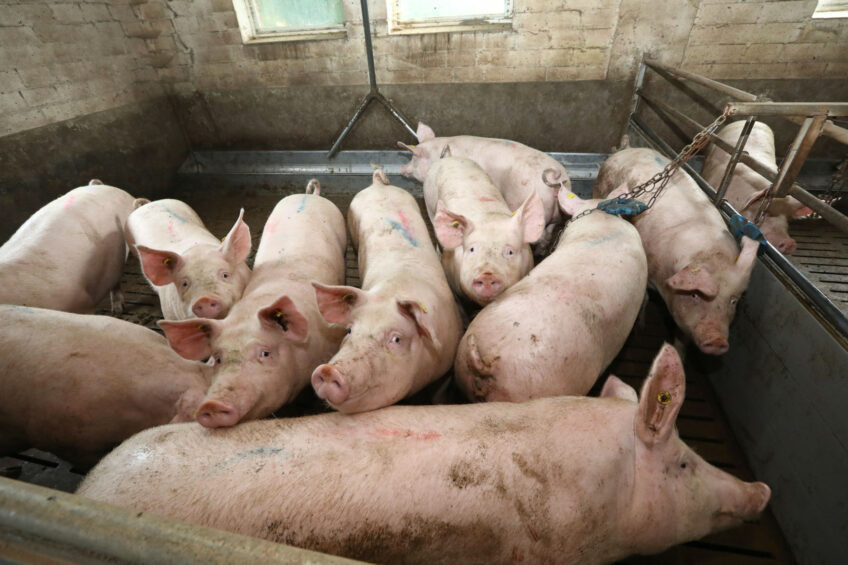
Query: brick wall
(59, 60)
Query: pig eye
(471, 249)
(396, 339)
(508, 251)
(683, 465)
(733, 301)
(264, 353)
(217, 359)
(694, 294)
(225, 275)
(348, 331)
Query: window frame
(830, 9)
(447, 24)
(249, 34)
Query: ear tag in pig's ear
(664, 398)
(166, 260)
(281, 320)
(348, 298)
(455, 224)
(423, 308)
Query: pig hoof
(330, 385)
(216, 414)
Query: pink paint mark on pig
(69, 201)
(171, 229)
(404, 221)
(388, 432)
(486, 199)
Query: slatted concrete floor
(822, 256)
(701, 423)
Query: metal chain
(838, 182)
(657, 183)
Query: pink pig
(747, 188)
(264, 351)
(93, 382)
(516, 169)
(693, 261)
(70, 254)
(485, 247)
(566, 479)
(193, 272)
(403, 325)
(555, 330)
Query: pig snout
(330, 384)
(714, 346)
(786, 246)
(743, 507)
(207, 307)
(217, 414)
(487, 286)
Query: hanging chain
(657, 183)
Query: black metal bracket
(374, 94)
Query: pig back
(305, 232)
(97, 381)
(70, 253)
(168, 224)
(464, 187)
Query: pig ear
(424, 132)
(379, 177)
(283, 314)
(661, 398)
(616, 388)
(411, 148)
(336, 302)
(754, 197)
(236, 245)
(416, 311)
(694, 278)
(569, 202)
(450, 228)
(748, 255)
(531, 217)
(192, 338)
(159, 266)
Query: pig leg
(116, 299)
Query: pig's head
(775, 224)
(490, 257)
(677, 496)
(252, 361)
(209, 279)
(703, 294)
(386, 354)
(423, 154)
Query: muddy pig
(555, 330)
(747, 188)
(693, 261)
(403, 325)
(194, 274)
(485, 247)
(266, 348)
(515, 168)
(70, 254)
(565, 479)
(93, 382)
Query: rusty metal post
(791, 166)
(734, 158)
(704, 81)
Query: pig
(70, 254)
(96, 381)
(485, 247)
(566, 479)
(266, 348)
(403, 325)
(747, 188)
(194, 274)
(558, 328)
(516, 170)
(693, 261)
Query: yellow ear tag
(347, 297)
(570, 195)
(664, 397)
(455, 224)
(696, 270)
(223, 239)
(278, 314)
(423, 308)
(514, 213)
(166, 260)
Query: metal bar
(734, 158)
(831, 109)
(830, 130)
(364, 104)
(704, 81)
(691, 93)
(794, 160)
(395, 112)
(369, 50)
(48, 523)
(780, 265)
(836, 218)
(672, 125)
(637, 86)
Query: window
(831, 9)
(262, 21)
(433, 16)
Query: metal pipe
(690, 92)
(734, 158)
(369, 50)
(831, 109)
(704, 81)
(794, 160)
(672, 125)
(396, 113)
(830, 130)
(364, 104)
(42, 523)
(777, 263)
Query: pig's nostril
(486, 285)
(717, 346)
(216, 414)
(330, 385)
